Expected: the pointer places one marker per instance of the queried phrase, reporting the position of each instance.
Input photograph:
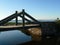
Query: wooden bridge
(47, 28)
(22, 14)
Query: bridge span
(23, 15)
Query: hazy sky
(39, 9)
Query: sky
(39, 9)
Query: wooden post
(16, 19)
(23, 19)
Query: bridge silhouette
(47, 28)
(22, 14)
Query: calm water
(13, 37)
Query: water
(13, 37)
(17, 37)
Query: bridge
(23, 15)
(47, 28)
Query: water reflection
(13, 37)
(17, 37)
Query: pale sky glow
(39, 9)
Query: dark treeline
(58, 26)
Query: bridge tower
(16, 17)
(23, 18)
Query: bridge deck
(14, 27)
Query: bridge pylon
(23, 19)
